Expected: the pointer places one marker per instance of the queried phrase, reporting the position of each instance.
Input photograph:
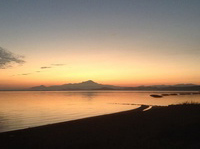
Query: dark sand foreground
(176, 126)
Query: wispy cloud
(45, 67)
(57, 64)
(7, 58)
(25, 74)
(52, 65)
(38, 71)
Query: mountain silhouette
(86, 85)
(91, 85)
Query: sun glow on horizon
(112, 42)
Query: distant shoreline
(110, 90)
(91, 85)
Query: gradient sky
(118, 42)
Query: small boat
(156, 96)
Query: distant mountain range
(91, 85)
(177, 87)
(87, 85)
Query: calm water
(20, 110)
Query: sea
(25, 109)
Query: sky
(118, 42)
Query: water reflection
(27, 109)
(83, 94)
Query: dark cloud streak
(7, 59)
(25, 74)
(45, 67)
(54, 65)
(58, 64)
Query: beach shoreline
(167, 127)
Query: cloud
(7, 59)
(38, 71)
(58, 64)
(25, 74)
(44, 67)
(52, 65)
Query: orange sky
(107, 69)
(126, 43)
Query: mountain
(185, 85)
(41, 87)
(177, 87)
(87, 85)
(91, 85)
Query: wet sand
(176, 126)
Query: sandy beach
(175, 126)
